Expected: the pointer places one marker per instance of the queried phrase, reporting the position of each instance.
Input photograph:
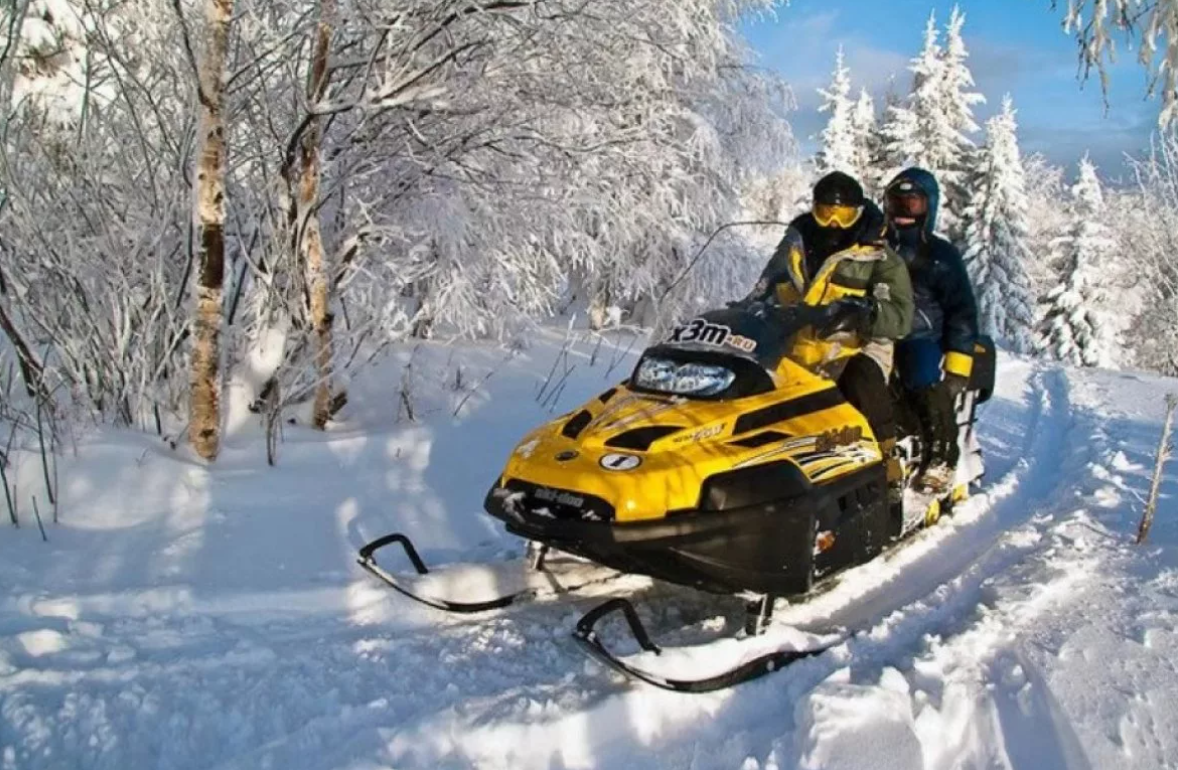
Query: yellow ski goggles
(834, 215)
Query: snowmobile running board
(539, 583)
(587, 638)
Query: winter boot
(937, 479)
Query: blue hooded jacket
(946, 320)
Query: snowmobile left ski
(720, 464)
(484, 587)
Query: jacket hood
(928, 185)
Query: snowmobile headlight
(686, 379)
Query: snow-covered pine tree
(957, 101)
(904, 130)
(867, 143)
(838, 152)
(996, 235)
(932, 129)
(1078, 327)
(1148, 227)
(1046, 187)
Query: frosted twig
(1163, 455)
(40, 525)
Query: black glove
(850, 314)
(953, 386)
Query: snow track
(978, 644)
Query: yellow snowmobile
(719, 464)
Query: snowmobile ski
(500, 585)
(589, 640)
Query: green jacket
(800, 271)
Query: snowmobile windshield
(722, 354)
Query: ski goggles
(906, 205)
(835, 215)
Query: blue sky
(1016, 46)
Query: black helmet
(839, 189)
(838, 201)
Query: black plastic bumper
(767, 547)
(760, 549)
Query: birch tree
(209, 201)
(310, 234)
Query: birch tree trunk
(311, 241)
(205, 404)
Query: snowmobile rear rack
(586, 636)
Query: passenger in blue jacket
(935, 360)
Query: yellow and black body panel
(760, 493)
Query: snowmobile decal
(557, 496)
(701, 435)
(706, 333)
(620, 405)
(620, 462)
(849, 435)
(788, 447)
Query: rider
(935, 360)
(836, 256)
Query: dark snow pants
(863, 384)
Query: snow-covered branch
(1151, 25)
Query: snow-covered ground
(190, 617)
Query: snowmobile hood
(629, 456)
(927, 182)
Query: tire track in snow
(945, 584)
(959, 639)
(940, 554)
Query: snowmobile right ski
(485, 587)
(749, 669)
